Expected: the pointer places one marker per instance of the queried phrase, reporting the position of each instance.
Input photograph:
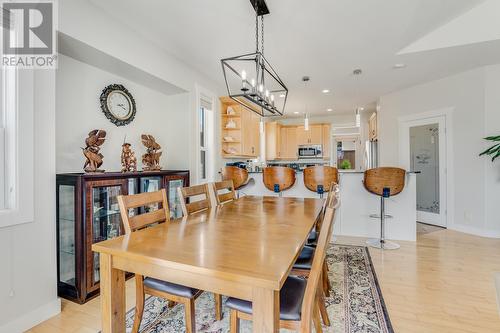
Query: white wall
(473, 96)
(28, 289)
(78, 112)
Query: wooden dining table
(244, 249)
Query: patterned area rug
(355, 304)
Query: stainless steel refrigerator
(371, 154)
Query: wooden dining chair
(303, 264)
(192, 207)
(228, 193)
(203, 204)
(146, 285)
(298, 297)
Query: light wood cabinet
(242, 138)
(325, 141)
(311, 137)
(273, 140)
(372, 127)
(291, 143)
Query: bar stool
(278, 179)
(239, 177)
(319, 178)
(384, 182)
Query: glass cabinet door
(173, 197)
(66, 227)
(150, 184)
(105, 219)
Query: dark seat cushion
(291, 296)
(305, 259)
(313, 236)
(171, 288)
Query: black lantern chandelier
(251, 80)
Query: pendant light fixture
(251, 80)
(306, 79)
(357, 74)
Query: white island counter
(357, 204)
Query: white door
(424, 150)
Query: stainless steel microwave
(310, 151)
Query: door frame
(444, 118)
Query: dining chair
(190, 192)
(146, 285)
(303, 264)
(228, 193)
(278, 178)
(298, 297)
(205, 203)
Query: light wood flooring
(442, 283)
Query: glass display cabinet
(88, 212)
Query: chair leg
(139, 302)
(218, 307)
(322, 307)
(326, 281)
(316, 320)
(190, 317)
(235, 322)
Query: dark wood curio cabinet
(87, 213)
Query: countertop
(340, 171)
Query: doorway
(424, 149)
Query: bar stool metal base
(384, 245)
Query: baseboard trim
(33, 318)
(475, 231)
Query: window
(206, 139)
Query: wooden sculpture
(151, 160)
(129, 161)
(91, 151)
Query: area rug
(355, 304)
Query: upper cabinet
(240, 133)
(313, 136)
(282, 141)
(372, 127)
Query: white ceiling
(325, 39)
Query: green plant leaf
(495, 156)
(493, 138)
(491, 150)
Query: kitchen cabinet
(87, 212)
(372, 127)
(291, 143)
(311, 137)
(273, 141)
(325, 140)
(240, 130)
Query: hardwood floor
(442, 283)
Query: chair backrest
(332, 200)
(284, 177)
(195, 206)
(325, 235)
(377, 179)
(228, 195)
(239, 176)
(132, 223)
(320, 175)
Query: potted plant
(346, 164)
(493, 151)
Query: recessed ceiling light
(329, 110)
(399, 66)
(325, 91)
(361, 109)
(296, 112)
(282, 95)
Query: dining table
(244, 249)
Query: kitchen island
(357, 204)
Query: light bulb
(306, 123)
(261, 88)
(267, 93)
(252, 82)
(243, 75)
